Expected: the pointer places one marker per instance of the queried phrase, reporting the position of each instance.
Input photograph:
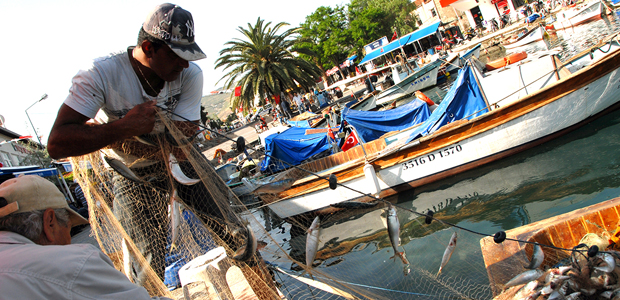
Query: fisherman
(123, 92)
(38, 259)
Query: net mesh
(138, 227)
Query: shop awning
(445, 3)
(407, 39)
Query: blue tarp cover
(407, 39)
(463, 101)
(373, 124)
(292, 146)
(302, 124)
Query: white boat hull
(576, 17)
(407, 87)
(532, 36)
(510, 137)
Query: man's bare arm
(72, 136)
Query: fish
(610, 263)
(175, 218)
(354, 204)
(275, 186)
(312, 241)
(147, 139)
(524, 277)
(538, 256)
(448, 253)
(178, 174)
(247, 251)
(394, 233)
(122, 169)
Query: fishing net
(153, 220)
(134, 222)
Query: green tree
(368, 25)
(204, 115)
(398, 12)
(265, 64)
(327, 34)
(38, 156)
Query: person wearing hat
(38, 260)
(122, 92)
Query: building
(12, 150)
(465, 13)
(478, 12)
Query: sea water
(573, 171)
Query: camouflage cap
(174, 26)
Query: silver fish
(312, 241)
(448, 253)
(275, 187)
(122, 169)
(524, 277)
(175, 216)
(178, 174)
(247, 251)
(538, 256)
(394, 233)
(610, 263)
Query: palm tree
(265, 64)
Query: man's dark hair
(144, 36)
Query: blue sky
(52, 40)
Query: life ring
(424, 98)
(507, 60)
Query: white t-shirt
(109, 89)
(297, 100)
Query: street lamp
(35, 130)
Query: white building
(11, 153)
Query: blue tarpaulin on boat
(373, 124)
(463, 101)
(407, 39)
(292, 146)
(302, 124)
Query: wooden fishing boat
(406, 83)
(533, 35)
(461, 58)
(506, 260)
(530, 104)
(506, 60)
(592, 10)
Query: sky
(52, 40)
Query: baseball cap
(31, 193)
(174, 26)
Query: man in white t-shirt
(300, 105)
(122, 92)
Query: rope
(428, 216)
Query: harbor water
(573, 171)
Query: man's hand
(140, 119)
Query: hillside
(217, 105)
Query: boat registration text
(431, 157)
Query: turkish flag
(395, 36)
(238, 91)
(351, 142)
(330, 133)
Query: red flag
(330, 133)
(395, 36)
(350, 142)
(238, 91)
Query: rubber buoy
(593, 251)
(429, 217)
(333, 181)
(499, 237)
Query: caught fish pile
(590, 274)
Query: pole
(35, 130)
